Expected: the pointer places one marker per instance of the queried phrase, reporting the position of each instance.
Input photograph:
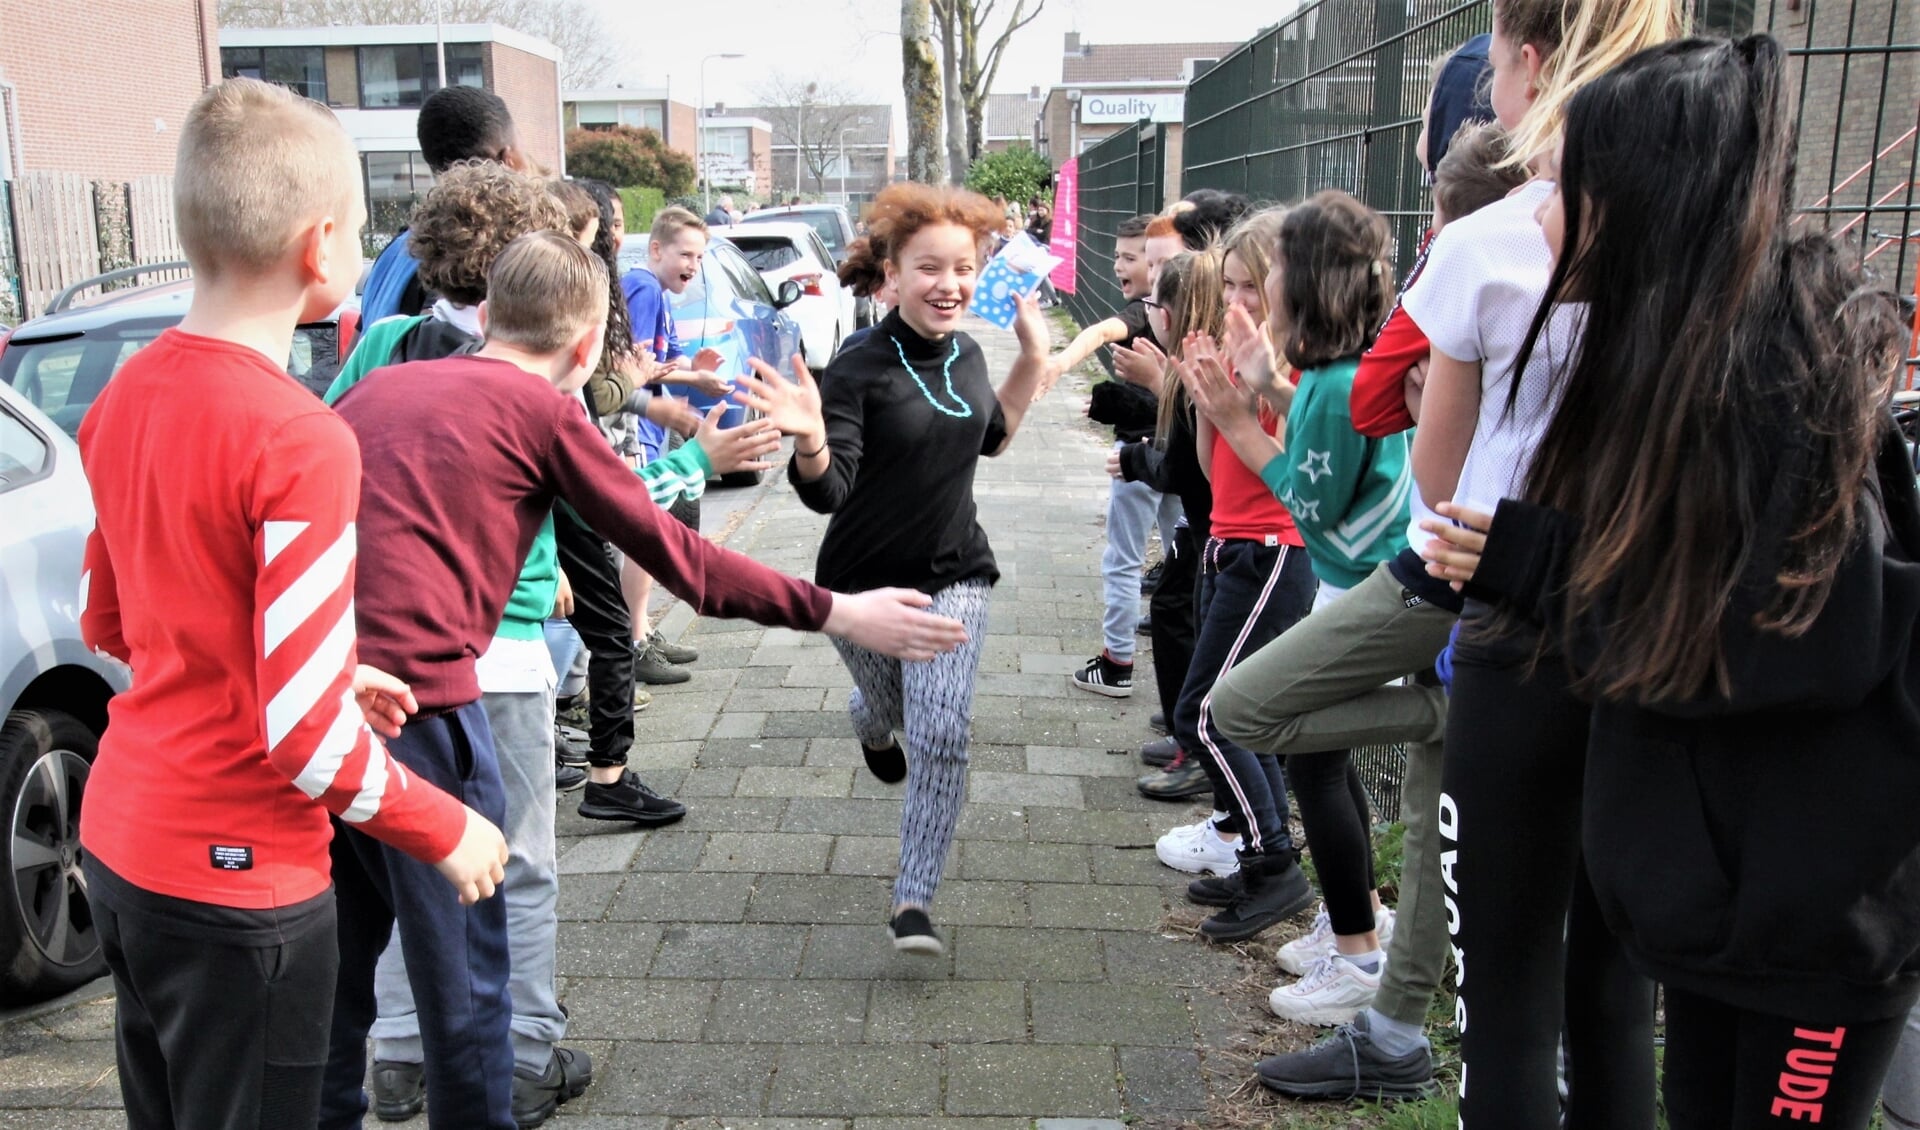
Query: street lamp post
(843, 162)
(700, 129)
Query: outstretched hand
(742, 448)
(1142, 364)
(793, 406)
(1030, 326)
(894, 622)
(708, 360)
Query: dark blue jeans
(456, 956)
(1247, 594)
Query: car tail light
(809, 285)
(4, 335)
(347, 331)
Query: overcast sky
(858, 42)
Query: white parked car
(53, 707)
(793, 252)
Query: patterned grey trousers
(932, 704)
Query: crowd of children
(1638, 593)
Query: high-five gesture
(744, 448)
(793, 406)
(894, 622)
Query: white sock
(1368, 961)
(1393, 1037)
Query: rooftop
(1134, 62)
(1011, 116)
(368, 35)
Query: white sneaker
(1198, 850)
(1332, 993)
(1302, 953)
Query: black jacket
(1763, 848)
(1126, 408)
(1174, 469)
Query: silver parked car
(53, 697)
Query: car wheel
(45, 757)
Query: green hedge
(640, 206)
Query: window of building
(404, 74)
(731, 144)
(302, 70)
(642, 115)
(395, 183)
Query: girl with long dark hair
(888, 443)
(1537, 963)
(1731, 567)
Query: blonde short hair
(669, 222)
(257, 164)
(545, 290)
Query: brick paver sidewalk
(735, 968)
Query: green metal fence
(1123, 176)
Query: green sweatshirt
(684, 472)
(1348, 494)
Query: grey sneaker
(1346, 1065)
(399, 1090)
(1182, 778)
(671, 652)
(649, 666)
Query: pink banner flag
(1066, 225)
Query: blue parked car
(729, 308)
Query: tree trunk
(976, 125)
(957, 156)
(920, 81)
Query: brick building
(1011, 119)
(1106, 87)
(100, 88)
(375, 78)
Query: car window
(768, 253)
(747, 282)
(63, 376)
(828, 226)
(821, 253)
(23, 451)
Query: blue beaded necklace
(946, 370)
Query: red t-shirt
(221, 569)
(1379, 399)
(1244, 508)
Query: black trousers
(217, 1034)
(1733, 1069)
(1339, 824)
(1535, 958)
(1171, 607)
(600, 616)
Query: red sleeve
(304, 497)
(100, 601)
(716, 582)
(1379, 401)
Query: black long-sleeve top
(900, 481)
(1174, 469)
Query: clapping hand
(1209, 381)
(1141, 364)
(1250, 350)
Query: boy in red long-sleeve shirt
(221, 570)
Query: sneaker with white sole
(1299, 955)
(1332, 993)
(1198, 850)
(1105, 677)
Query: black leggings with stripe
(1248, 593)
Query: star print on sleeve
(1317, 464)
(1307, 511)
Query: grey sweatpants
(932, 702)
(522, 726)
(1900, 1097)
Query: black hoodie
(1762, 848)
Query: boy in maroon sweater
(222, 571)
(449, 507)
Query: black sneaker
(1216, 890)
(1103, 676)
(1159, 752)
(571, 746)
(1346, 1065)
(629, 799)
(567, 778)
(889, 764)
(536, 1097)
(399, 1090)
(913, 933)
(1150, 583)
(1182, 778)
(1275, 890)
(1158, 723)
(651, 667)
(671, 652)
(1145, 626)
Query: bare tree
(980, 51)
(589, 53)
(920, 80)
(957, 159)
(809, 114)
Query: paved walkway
(735, 968)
